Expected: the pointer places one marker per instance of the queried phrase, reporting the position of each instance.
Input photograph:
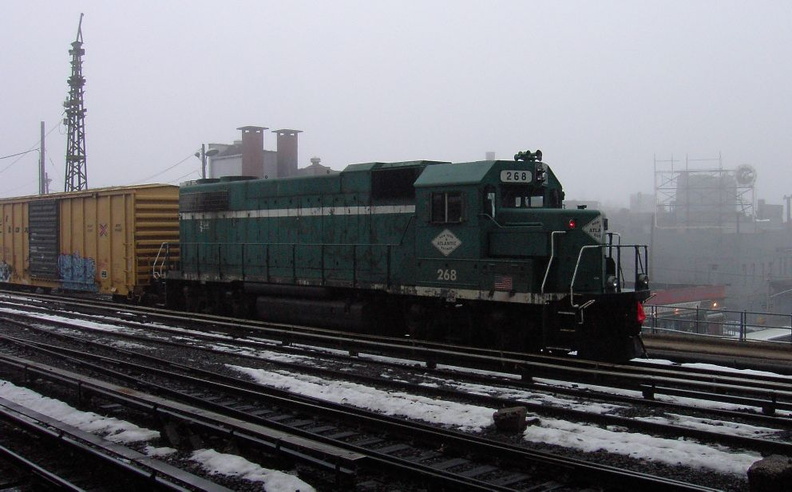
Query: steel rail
(482, 446)
(41, 473)
(152, 472)
(761, 445)
(286, 333)
(309, 451)
(770, 394)
(229, 426)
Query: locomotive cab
(496, 233)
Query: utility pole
(76, 173)
(42, 172)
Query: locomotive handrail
(610, 241)
(618, 247)
(619, 271)
(574, 274)
(552, 256)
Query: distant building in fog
(642, 203)
(247, 157)
(315, 169)
(703, 228)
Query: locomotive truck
(477, 253)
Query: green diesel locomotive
(480, 253)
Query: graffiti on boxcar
(5, 271)
(77, 273)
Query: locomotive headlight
(612, 283)
(642, 282)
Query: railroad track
(770, 393)
(290, 340)
(462, 447)
(451, 460)
(440, 388)
(74, 459)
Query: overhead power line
(167, 169)
(19, 153)
(18, 158)
(33, 148)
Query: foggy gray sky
(601, 87)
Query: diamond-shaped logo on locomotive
(594, 229)
(446, 242)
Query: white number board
(516, 176)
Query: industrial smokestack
(252, 150)
(287, 152)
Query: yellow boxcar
(103, 240)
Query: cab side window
(447, 207)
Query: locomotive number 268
(515, 176)
(445, 274)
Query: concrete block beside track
(771, 474)
(510, 419)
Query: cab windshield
(522, 197)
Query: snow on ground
(680, 400)
(466, 418)
(711, 367)
(526, 395)
(111, 428)
(236, 466)
(518, 395)
(119, 431)
(718, 426)
(481, 389)
(270, 355)
(62, 319)
(669, 451)
(472, 418)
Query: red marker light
(641, 314)
(572, 223)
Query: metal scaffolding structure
(76, 172)
(704, 198)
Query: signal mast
(76, 175)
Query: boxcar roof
(113, 190)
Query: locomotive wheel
(416, 321)
(440, 323)
(509, 330)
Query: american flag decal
(503, 282)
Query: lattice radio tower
(76, 173)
